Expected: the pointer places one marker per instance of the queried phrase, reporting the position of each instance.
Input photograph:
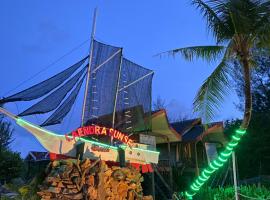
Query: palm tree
(241, 29)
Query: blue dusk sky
(35, 33)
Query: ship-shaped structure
(116, 107)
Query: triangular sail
(44, 87)
(53, 100)
(58, 116)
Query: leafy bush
(227, 193)
(26, 191)
(11, 165)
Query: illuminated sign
(100, 130)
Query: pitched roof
(214, 133)
(193, 130)
(161, 128)
(193, 134)
(187, 130)
(184, 125)
(156, 111)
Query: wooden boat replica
(116, 108)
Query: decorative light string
(24, 123)
(215, 164)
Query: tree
(11, 165)
(254, 150)
(260, 84)
(5, 134)
(159, 104)
(238, 27)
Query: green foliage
(212, 92)
(231, 126)
(29, 192)
(26, 191)
(5, 134)
(254, 150)
(33, 169)
(240, 26)
(228, 193)
(208, 53)
(7, 198)
(11, 165)
(260, 83)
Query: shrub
(11, 165)
(251, 191)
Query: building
(185, 146)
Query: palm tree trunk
(247, 110)
(247, 94)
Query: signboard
(100, 130)
(148, 139)
(211, 151)
(135, 155)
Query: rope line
(47, 67)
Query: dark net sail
(53, 100)
(58, 116)
(133, 110)
(102, 84)
(119, 91)
(44, 87)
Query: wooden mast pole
(89, 65)
(116, 93)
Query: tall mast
(89, 65)
(117, 90)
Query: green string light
(22, 123)
(208, 171)
(215, 164)
(222, 159)
(211, 165)
(236, 138)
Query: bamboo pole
(89, 65)
(116, 94)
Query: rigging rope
(47, 67)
